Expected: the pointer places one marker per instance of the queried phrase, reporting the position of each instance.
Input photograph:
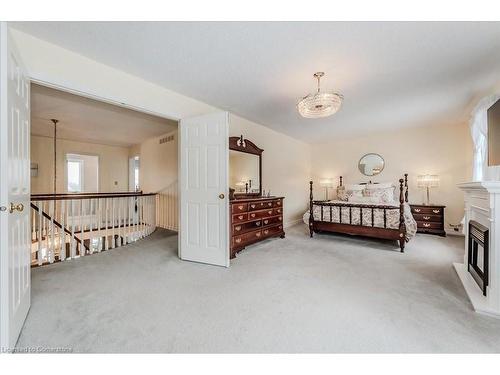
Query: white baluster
(62, 233)
(39, 233)
(72, 239)
(51, 248)
(91, 224)
(113, 223)
(106, 223)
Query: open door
(203, 189)
(15, 241)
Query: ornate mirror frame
(244, 145)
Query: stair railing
(68, 226)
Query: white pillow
(382, 185)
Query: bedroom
(397, 99)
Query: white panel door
(203, 188)
(15, 238)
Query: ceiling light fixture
(320, 104)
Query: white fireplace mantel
(482, 204)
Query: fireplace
(478, 254)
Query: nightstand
(429, 218)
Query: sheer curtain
(479, 132)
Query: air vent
(166, 139)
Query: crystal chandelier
(320, 104)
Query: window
(133, 177)
(75, 175)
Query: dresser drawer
(272, 220)
(246, 227)
(428, 218)
(243, 239)
(260, 214)
(238, 218)
(254, 206)
(269, 231)
(237, 208)
(426, 210)
(428, 225)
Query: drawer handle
(279, 210)
(417, 209)
(252, 215)
(238, 240)
(427, 225)
(266, 221)
(427, 217)
(280, 227)
(269, 212)
(240, 217)
(436, 211)
(257, 223)
(280, 218)
(257, 234)
(238, 228)
(278, 203)
(240, 208)
(266, 232)
(269, 204)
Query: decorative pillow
(382, 185)
(346, 195)
(385, 195)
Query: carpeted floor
(328, 294)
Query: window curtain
(479, 132)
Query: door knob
(221, 196)
(13, 207)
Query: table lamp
(427, 181)
(326, 183)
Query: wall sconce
(326, 183)
(427, 181)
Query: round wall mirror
(371, 164)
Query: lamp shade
(427, 180)
(326, 182)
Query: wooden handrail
(49, 197)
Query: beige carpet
(328, 294)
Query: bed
(390, 219)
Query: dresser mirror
(245, 168)
(371, 164)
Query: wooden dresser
(429, 218)
(255, 219)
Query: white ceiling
(86, 120)
(392, 74)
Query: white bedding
(392, 216)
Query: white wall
(442, 150)
(113, 164)
(158, 163)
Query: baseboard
(291, 223)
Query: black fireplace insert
(478, 254)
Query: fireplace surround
(480, 270)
